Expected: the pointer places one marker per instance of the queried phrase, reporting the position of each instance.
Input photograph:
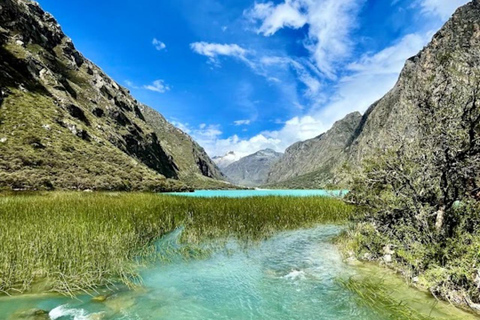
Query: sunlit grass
(80, 241)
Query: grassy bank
(78, 241)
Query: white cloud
(295, 129)
(213, 50)
(159, 45)
(242, 122)
(158, 86)
(130, 84)
(274, 18)
(330, 23)
(390, 60)
(371, 77)
(441, 8)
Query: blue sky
(244, 75)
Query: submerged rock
(32, 314)
(100, 298)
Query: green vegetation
(43, 148)
(313, 180)
(421, 196)
(65, 242)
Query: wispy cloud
(130, 84)
(242, 122)
(158, 86)
(159, 45)
(442, 8)
(273, 18)
(214, 50)
(330, 23)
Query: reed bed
(70, 242)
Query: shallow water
(259, 193)
(291, 276)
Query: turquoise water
(291, 276)
(260, 193)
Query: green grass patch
(80, 241)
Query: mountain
(252, 171)
(64, 124)
(195, 166)
(312, 162)
(226, 160)
(450, 58)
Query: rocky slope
(195, 166)
(65, 124)
(312, 162)
(452, 57)
(252, 170)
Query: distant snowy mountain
(226, 160)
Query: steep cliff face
(252, 170)
(63, 122)
(195, 166)
(320, 155)
(452, 58)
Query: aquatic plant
(375, 296)
(68, 242)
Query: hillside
(252, 170)
(64, 124)
(451, 57)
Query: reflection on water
(291, 276)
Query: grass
(80, 241)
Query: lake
(293, 275)
(260, 193)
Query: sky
(245, 75)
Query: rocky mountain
(226, 160)
(312, 162)
(195, 166)
(252, 170)
(65, 124)
(450, 60)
